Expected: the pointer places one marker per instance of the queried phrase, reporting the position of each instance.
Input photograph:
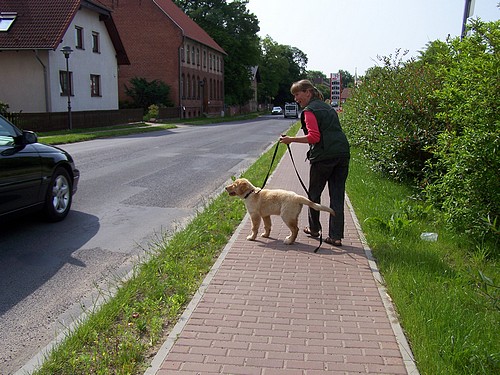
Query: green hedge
(434, 121)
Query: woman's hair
(305, 85)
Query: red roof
(39, 24)
(189, 28)
(42, 24)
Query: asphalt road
(133, 191)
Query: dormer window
(6, 20)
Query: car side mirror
(29, 137)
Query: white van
(291, 110)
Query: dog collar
(248, 194)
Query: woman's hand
(285, 139)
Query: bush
(391, 116)
(464, 177)
(153, 111)
(434, 121)
(145, 94)
(4, 108)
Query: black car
(34, 176)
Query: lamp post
(67, 51)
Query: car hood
(46, 149)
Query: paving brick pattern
(272, 309)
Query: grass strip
(80, 135)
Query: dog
(262, 203)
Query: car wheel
(59, 196)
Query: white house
(33, 69)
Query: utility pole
(468, 11)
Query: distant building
(255, 80)
(345, 94)
(163, 43)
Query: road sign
(335, 84)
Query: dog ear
(241, 186)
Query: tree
(272, 70)
(321, 81)
(315, 76)
(347, 79)
(235, 30)
(281, 66)
(144, 93)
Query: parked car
(277, 111)
(34, 176)
(291, 110)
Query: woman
(328, 154)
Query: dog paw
(251, 237)
(265, 235)
(288, 241)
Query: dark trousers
(334, 172)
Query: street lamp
(67, 51)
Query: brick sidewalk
(268, 308)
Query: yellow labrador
(262, 203)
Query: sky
(350, 34)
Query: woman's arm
(313, 134)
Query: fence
(53, 121)
(44, 122)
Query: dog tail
(316, 206)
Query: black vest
(333, 142)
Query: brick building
(163, 43)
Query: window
(95, 42)
(199, 87)
(183, 86)
(6, 20)
(95, 85)
(63, 83)
(78, 37)
(188, 55)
